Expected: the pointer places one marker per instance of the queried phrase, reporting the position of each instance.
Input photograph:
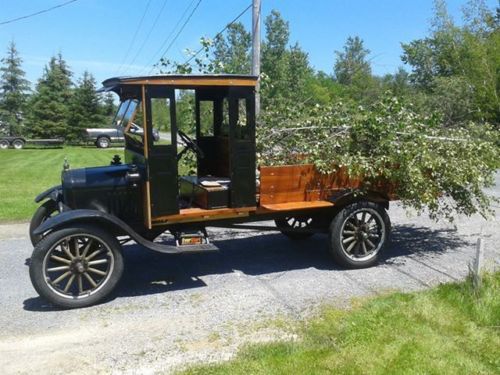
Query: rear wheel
(358, 233)
(103, 142)
(18, 144)
(4, 144)
(291, 226)
(44, 212)
(77, 266)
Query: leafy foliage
(459, 64)
(434, 168)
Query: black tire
(18, 144)
(286, 226)
(103, 142)
(358, 234)
(4, 144)
(94, 252)
(45, 211)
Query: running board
(184, 249)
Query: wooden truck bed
(282, 188)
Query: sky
(107, 37)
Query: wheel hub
(79, 266)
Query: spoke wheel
(358, 233)
(76, 267)
(290, 226)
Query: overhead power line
(37, 13)
(220, 32)
(149, 32)
(181, 29)
(133, 38)
(165, 41)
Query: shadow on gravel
(148, 273)
(408, 239)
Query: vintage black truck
(80, 228)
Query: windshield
(125, 113)
(129, 119)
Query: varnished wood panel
(294, 206)
(297, 183)
(200, 214)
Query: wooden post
(256, 51)
(477, 265)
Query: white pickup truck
(103, 137)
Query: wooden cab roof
(182, 80)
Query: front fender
(102, 219)
(53, 193)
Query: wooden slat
(286, 183)
(200, 214)
(293, 206)
(192, 82)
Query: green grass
(26, 173)
(446, 330)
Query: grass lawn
(446, 330)
(26, 173)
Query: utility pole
(256, 51)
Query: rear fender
(345, 197)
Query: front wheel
(76, 266)
(4, 144)
(358, 233)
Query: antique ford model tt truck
(79, 229)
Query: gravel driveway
(170, 311)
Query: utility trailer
(19, 142)
(80, 227)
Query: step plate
(203, 248)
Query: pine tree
(85, 111)
(351, 65)
(50, 103)
(108, 106)
(14, 90)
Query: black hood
(96, 177)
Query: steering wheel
(190, 144)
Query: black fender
(102, 219)
(54, 193)
(348, 196)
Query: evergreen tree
(351, 65)
(85, 111)
(50, 103)
(13, 92)
(108, 106)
